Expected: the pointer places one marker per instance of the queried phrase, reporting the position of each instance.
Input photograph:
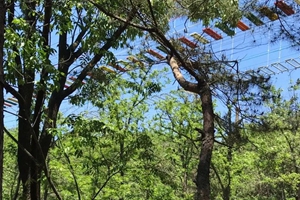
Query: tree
(265, 157)
(177, 120)
(281, 123)
(116, 150)
(88, 37)
(208, 75)
(2, 23)
(38, 83)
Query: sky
(253, 49)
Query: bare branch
(218, 176)
(152, 13)
(12, 91)
(191, 87)
(221, 143)
(20, 146)
(71, 170)
(121, 19)
(77, 41)
(105, 183)
(73, 174)
(46, 24)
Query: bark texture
(207, 134)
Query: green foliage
(78, 37)
(139, 159)
(118, 148)
(178, 118)
(125, 151)
(267, 163)
(11, 176)
(155, 157)
(224, 11)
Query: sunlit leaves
(179, 114)
(227, 12)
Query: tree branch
(16, 193)
(98, 56)
(73, 174)
(105, 183)
(152, 13)
(189, 86)
(77, 41)
(157, 34)
(2, 24)
(99, 7)
(160, 36)
(47, 17)
(41, 93)
(21, 146)
(12, 91)
(218, 176)
(43, 162)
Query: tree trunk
(203, 89)
(227, 191)
(298, 193)
(24, 137)
(202, 178)
(35, 173)
(26, 88)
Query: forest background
(142, 143)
